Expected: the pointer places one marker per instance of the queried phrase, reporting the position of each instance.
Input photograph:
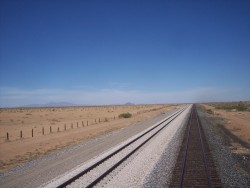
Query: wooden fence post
(21, 134)
(50, 130)
(43, 130)
(32, 133)
(7, 136)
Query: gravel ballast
(142, 170)
(228, 168)
(161, 175)
(98, 171)
(86, 179)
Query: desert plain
(57, 127)
(28, 133)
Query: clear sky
(113, 52)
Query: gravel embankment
(228, 168)
(90, 176)
(162, 173)
(143, 169)
(98, 171)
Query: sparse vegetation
(12, 119)
(233, 106)
(125, 115)
(39, 122)
(210, 111)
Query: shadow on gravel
(242, 159)
(231, 161)
(233, 137)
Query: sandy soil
(238, 124)
(15, 150)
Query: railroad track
(195, 166)
(93, 174)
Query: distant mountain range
(128, 104)
(62, 104)
(51, 104)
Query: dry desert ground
(55, 128)
(236, 124)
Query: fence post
(43, 130)
(65, 127)
(50, 130)
(7, 136)
(32, 133)
(71, 125)
(99, 120)
(21, 134)
(87, 123)
(77, 124)
(58, 129)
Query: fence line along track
(139, 141)
(195, 166)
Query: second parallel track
(92, 175)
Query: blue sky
(112, 52)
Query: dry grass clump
(125, 115)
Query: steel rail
(203, 151)
(186, 149)
(128, 155)
(64, 184)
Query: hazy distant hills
(62, 104)
(128, 104)
(51, 104)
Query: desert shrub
(125, 115)
(240, 106)
(210, 111)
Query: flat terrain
(229, 147)
(81, 123)
(236, 124)
(44, 168)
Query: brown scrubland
(27, 133)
